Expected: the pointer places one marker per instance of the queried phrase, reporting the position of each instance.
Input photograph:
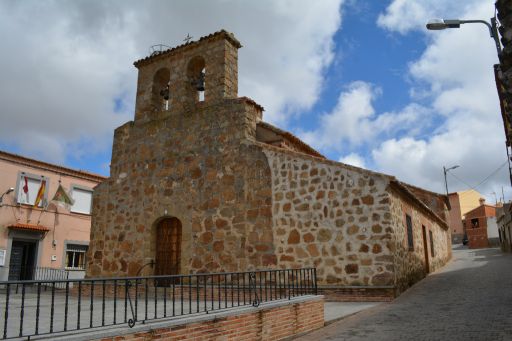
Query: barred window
(410, 239)
(75, 256)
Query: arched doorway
(168, 247)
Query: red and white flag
(25, 188)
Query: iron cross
(187, 38)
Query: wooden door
(425, 248)
(168, 247)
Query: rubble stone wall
(410, 265)
(198, 167)
(333, 217)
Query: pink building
(37, 240)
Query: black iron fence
(71, 305)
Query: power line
(464, 182)
(496, 171)
(481, 182)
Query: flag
(25, 189)
(40, 193)
(62, 198)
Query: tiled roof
(220, 34)
(50, 167)
(251, 101)
(30, 227)
(403, 188)
(293, 139)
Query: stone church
(199, 183)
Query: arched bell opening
(196, 74)
(160, 91)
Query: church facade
(199, 183)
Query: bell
(200, 82)
(165, 92)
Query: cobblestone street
(469, 299)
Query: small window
(29, 186)
(83, 200)
(431, 237)
(75, 256)
(410, 238)
(2, 257)
(474, 223)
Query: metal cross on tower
(187, 38)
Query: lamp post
(446, 170)
(441, 24)
(6, 192)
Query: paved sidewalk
(335, 311)
(469, 299)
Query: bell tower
(182, 77)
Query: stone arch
(196, 74)
(160, 90)
(168, 246)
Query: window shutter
(83, 199)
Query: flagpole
(55, 218)
(45, 207)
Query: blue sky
(362, 81)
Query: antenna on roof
(157, 49)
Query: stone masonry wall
(333, 217)
(410, 265)
(195, 166)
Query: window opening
(410, 238)
(31, 188)
(431, 237)
(474, 223)
(82, 200)
(75, 257)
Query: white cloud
(353, 159)
(354, 121)
(455, 76)
(345, 122)
(406, 15)
(64, 64)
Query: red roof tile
(30, 227)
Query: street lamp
(446, 170)
(6, 192)
(441, 24)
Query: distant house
(481, 227)
(461, 203)
(199, 183)
(37, 239)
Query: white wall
(492, 228)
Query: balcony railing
(70, 305)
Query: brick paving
(469, 299)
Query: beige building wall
(48, 230)
(468, 200)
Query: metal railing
(37, 273)
(71, 305)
